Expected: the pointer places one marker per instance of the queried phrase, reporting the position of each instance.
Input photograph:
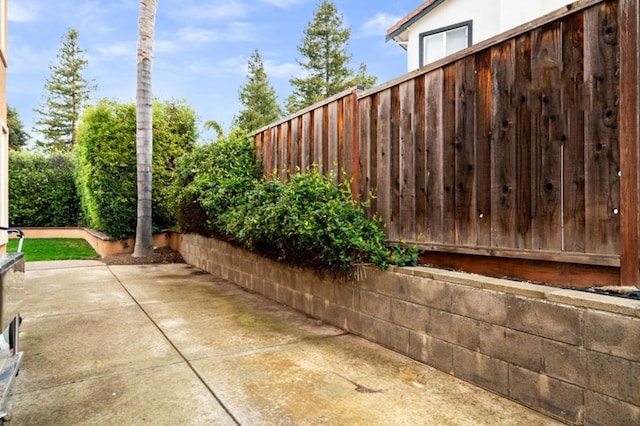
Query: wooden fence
(522, 147)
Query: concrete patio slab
(62, 349)
(169, 344)
(348, 380)
(169, 395)
(229, 325)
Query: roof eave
(392, 34)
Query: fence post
(629, 33)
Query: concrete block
(409, 315)
(318, 305)
(431, 293)
(375, 304)
(368, 327)
(522, 349)
(385, 282)
(554, 321)
(453, 329)
(602, 410)
(595, 301)
(543, 393)
(565, 362)
(391, 336)
(481, 370)
(417, 343)
(354, 322)
(635, 383)
(429, 350)
(517, 288)
(609, 375)
(613, 334)
(336, 315)
(483, 305)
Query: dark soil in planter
(161, 255)
(625, 292)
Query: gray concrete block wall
(572, 355)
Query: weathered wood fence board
(509, 148)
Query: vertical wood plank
(407, 166)
(524, 95)
(353, 131)
(365, 130)
(333, 136)
(484, 105)
(420, 137)
(374, 152)
(306, 148)
(545, 74)
(324, 142)
(602, 190)
(573, 139)
(503, 145)
(465, 188)
(394, 220)
(449, 155)
(434, 88)
(629, 27)
(293, 145)
(283, 145)
(318, 137)
(383, 159)
(273, 152)
(345, 146)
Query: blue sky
(201, 47)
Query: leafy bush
(309, 220)
(212, 180)
(106, 172)
(42, 191)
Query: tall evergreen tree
(258, 98)
(18, 138)
(326, 64)
(67, 92)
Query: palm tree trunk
(144, 134)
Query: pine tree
(257, 97)
(18, 138)
(326, 66)
(66, 95)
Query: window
(442, 42)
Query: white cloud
(378, 24)
(219, 10)
(24, 11)
(117, 49)
(284, 70)
(283, 4)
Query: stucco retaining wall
(572, 355)
(100, 242)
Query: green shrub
(106, 172)
(42, 191)
(212, 180)
(309, 220)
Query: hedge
(106, 172)
(42, 191)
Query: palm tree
(144, 120)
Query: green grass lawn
(36, 249)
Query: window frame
(424, 35)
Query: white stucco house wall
(438, 28)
